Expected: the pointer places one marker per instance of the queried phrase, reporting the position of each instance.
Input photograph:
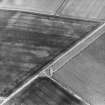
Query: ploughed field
(29, 41)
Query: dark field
(28, 42)
(44, 92)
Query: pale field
(38, 6)
(85, 73)
(90, 9)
